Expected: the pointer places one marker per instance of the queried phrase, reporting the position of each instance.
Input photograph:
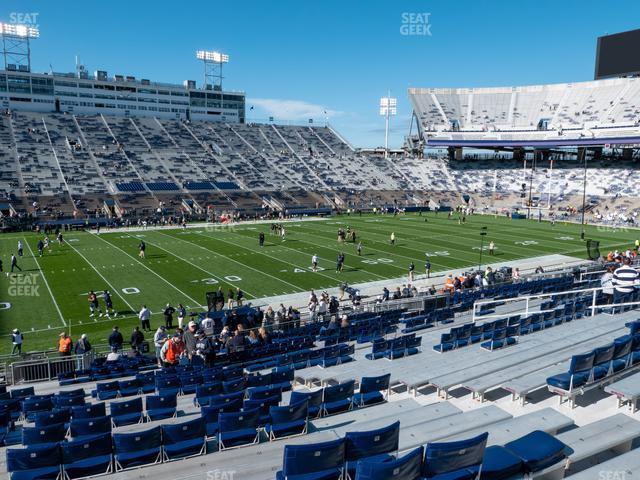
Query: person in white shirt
(314, 263)
(159, 339)
(145, 316)
(207, 325)
(113, 356)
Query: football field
(50, 294)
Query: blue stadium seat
(408, 467)
(460, 460)
(89, 410)
(35, 462)
(288, 420)
(159, 407)
(184, 440)
(238, 428)
(209, 413)
(52, 417)
(22, 393)
(88, 427)
(537, 450)
(314, 401)
(129, 388)
(126, 413)
(578, 374)
(499, 463)
(282, 377)
(87, 457)
(380, 444)
(106, 390)
(315, 461)
(372, 390)
(48, 434)
(338, 398)
(137, 449)
(262, 404)
(203, 392)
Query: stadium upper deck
(583, 113)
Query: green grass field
(50, 295)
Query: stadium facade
(118, 95)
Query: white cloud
(290, 110)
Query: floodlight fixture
(21, 31)
(388, 108)
(16, 48)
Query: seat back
(107, 386)
(375, 384)
(622, 348)
(48, 434)
(338, 392)
(124, 408)
(174, 433)
(89, 426)
(155, 402)
(307, 459)
(51, 418)
(210, 412)
(289, 413)
(374, 442)
(226, 398)
(313, 398)
(448, 457)
(258, 393)
(405, 468)
(20, 393)
(603, 354)
(281, 375)
(33, 457)
(89, 411)
(77, 392)
(208, 389)
(263, 404)
(234, 385)
(94, 446)
(233, 421)
(582, 362)
(137, 441)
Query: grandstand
(422, 360)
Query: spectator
(253, 338)
(83, 345)
(190, 339)
(606, 282)
(16, 340)
(625, 279)
(137, 337)
(182, 312)
(145, 316)
(237, 342)
(159, 339)
(205, 348)
(64, 345)
(115, 339)
(269, 318)
(265, 338)
(207, 325)
(171, 351)
(113, 356)
(168, 315)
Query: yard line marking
(115, 290)
(239, 263)
(275, 258)
(53, 299)
(195, 302)
(199, 268)
(360, 269)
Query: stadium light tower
(16, 47)
(387, 108)
(213, 62)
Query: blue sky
(296, 59)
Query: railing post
(593, 303)
(526, 308)
(48, 368)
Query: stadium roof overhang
(547, 143)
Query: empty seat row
(398, 347)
